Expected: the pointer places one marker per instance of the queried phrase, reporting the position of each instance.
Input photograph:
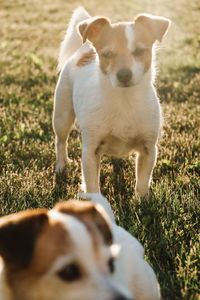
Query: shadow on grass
(66, 185)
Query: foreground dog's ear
(90, 214)
(18, 233)
(155, 26)
(91, 28)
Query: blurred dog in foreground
(72, 252)
(106, 82)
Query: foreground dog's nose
(120, 297)
(124, 75)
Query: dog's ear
(91, 28)
(18, 233)
(90, 214)
(156, 26)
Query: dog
(72, 252)
(106, 83)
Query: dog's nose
(120, 297)
(124, 75)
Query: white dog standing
(106, 82)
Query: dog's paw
(60, 165)
(142, 193)
(59, 168)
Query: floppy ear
(18, 234)
(156, 26)
(91, 28)
(90, 214)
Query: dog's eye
(70, 273)
(108, 54)
(139, 51)
(111, 265)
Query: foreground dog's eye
(108, 54)
(139, 51)
(70, 273)
(111, 265)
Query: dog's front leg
(90, 170)
(145, 162)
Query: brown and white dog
(106, 83)
(72, 252)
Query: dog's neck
(4, 290)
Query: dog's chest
(126, 118)
(126, 129)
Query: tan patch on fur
(86, 58)
(90, 29)
(115, 39)
(144, 38)
(87, 213)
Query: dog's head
(124, 49)
(66, 253)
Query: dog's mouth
(125, 85)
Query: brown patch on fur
(90, 29)
(93, 219)
(86, 58)
(49, 240)
(54, 241)
(18, 233)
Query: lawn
(168, 224)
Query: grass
(168, 224)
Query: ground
(168, 223)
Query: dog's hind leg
(145, 162)
(63, 119)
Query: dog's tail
(100, 199)
(72, 40)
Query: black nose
(124, 75)
(120, 297)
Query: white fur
(131, 268)
(130, 36)
(138, 71)
(113, 120)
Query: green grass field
(168, 224)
